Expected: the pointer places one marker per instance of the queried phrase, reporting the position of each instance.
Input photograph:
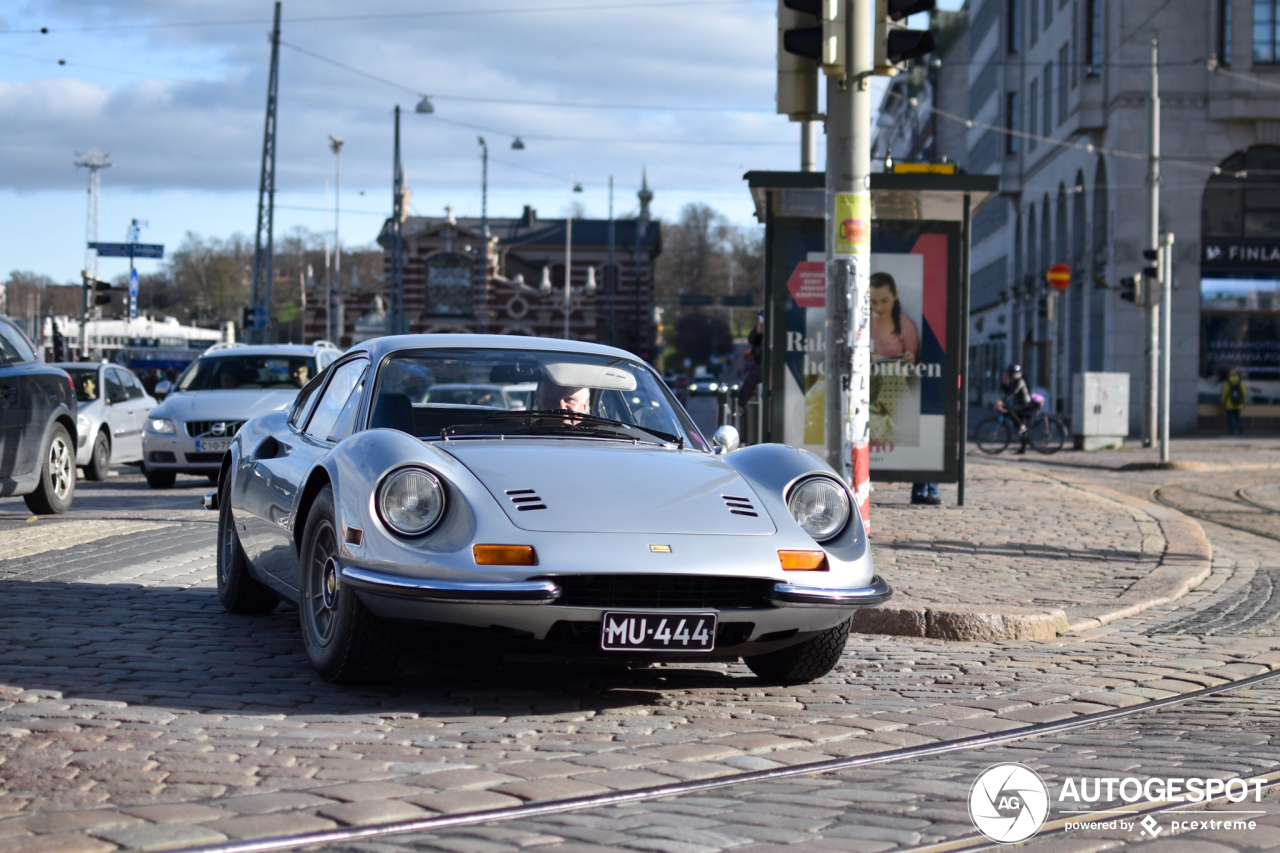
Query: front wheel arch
(316, 482)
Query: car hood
(575, 486)
(224, 405)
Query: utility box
(1100, 410)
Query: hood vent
(525, 499)
(739, 506)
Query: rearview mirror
(163, 388)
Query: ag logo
(1008, 803)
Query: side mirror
(118, 397)
(163, 388)
(726, 439)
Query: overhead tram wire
(449, 13)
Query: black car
(37, 426)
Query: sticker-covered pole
(848, 242)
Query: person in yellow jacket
(1233, 397)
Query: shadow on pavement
(177, 648)
(1028, 551)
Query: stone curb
(1185, 563)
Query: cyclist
(1019, 402)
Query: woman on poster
(894, 338)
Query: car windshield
(471, 393)
(229, 372)
(86, 382)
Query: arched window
(449, 283)
(1244, 199)
(1100, 229)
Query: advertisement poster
(914, 293)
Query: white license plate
(212, 445)
(656, 632)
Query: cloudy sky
(175, 91)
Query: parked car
(679, 385)
(37, 426)
(460, 394)
(113, 407)
(191, 430)
(704, 384)
(519, 395)
(611, 527)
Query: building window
(1012, 122)
(1064, 57)
(1224, 31)
(1093, 38)
(449, 285)
(1048, 13)
(1034, 22)
(1033, 104)
(1075, 39)
(1264, 31)
(1013, 26)
(1048, 99)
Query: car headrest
(393, 411)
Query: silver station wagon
(596, 521)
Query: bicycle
(1046, 433)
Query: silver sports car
(598, 521)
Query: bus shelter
(919, 315)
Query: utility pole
(264, 240)
(95, 162)
(1166, 320)
(1151, 409)
(568, 259)
(395, 320)
(335, 145)
(483, 324)
(848, 345)
(611, 277)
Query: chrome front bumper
(548, 592)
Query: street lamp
(335, 145)
(483, 325)
(568, 253)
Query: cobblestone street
(136, 713)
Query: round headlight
(411, 501)
(820, 506)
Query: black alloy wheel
(100, 459)
(57, 484)
(345, 642)
(238, 591)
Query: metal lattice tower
(95, 162)
(260, 295)
(395, 320)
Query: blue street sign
(258, 319)
(128, 250)
(133, 294)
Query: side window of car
(132, 386)
(115, 387)
(333, 398)
(306, 399)
(14, 346)
(346, 422)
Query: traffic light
(1131, 289)
(895, 44)
(811, 34)
(246, 317)
(102, 293)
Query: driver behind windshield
(553, 397)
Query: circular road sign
(1059, 276)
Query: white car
(191, 430)
(113, 407)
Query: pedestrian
(754, 357)
(1233, 397)
(925, 493)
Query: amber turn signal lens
(504, 555)
(803, 561)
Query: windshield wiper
(584, 420)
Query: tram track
(1240, 501)
(637, 795)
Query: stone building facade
(448, 290)
(1056, 100)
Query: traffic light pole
(848, 243)
(1166, 352)
(1152, 302)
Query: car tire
(345, 642)
(57, 484)
(803, 662)
(99, 460)
(238, 590)
(159, 479)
